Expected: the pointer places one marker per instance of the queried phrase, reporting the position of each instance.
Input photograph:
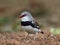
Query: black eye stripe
(22, 15)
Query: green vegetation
(55, 30)
(15, 25)
(4, 20)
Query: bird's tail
(40, 31)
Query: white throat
(26, 18)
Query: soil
(18, 38)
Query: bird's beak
(20, 16)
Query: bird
(29, 24)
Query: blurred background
(46, 12)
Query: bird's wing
(35, 25)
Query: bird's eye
(22, 15)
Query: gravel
(18, 38)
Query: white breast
(30, 29)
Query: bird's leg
(35, 35)
(27, 36)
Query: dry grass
(15, 38)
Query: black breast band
(27, 23)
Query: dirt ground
(18, 38)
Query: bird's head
(26, 16)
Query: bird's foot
(26, 38)
(35, 39)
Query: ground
(18, 38)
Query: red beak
(20, 16)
